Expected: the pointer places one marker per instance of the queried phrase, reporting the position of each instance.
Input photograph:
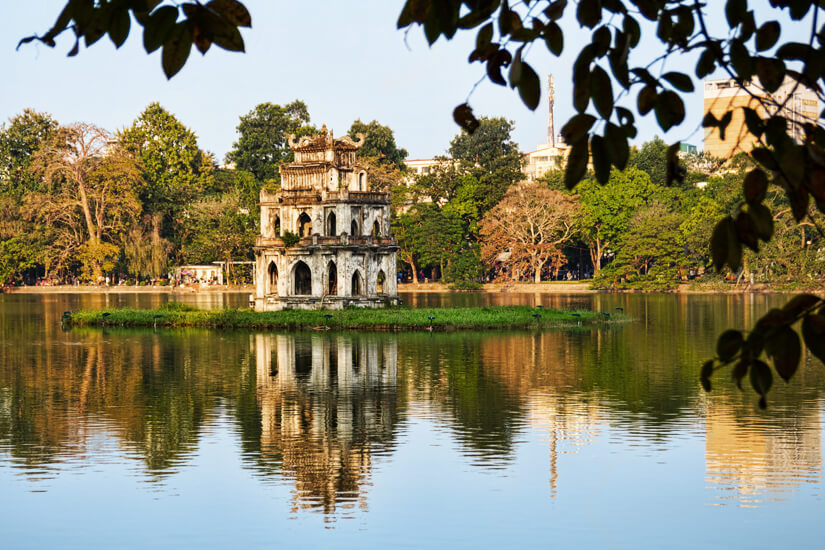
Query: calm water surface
(585, 438)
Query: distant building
(344, 253)
(551, 155)
(793, 100)
(199, 273)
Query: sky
(345, 60)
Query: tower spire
(551, 92)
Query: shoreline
(488, 288)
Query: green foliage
(290, 239)
(379, 144)
(19, 141)
(16, 255)
(262, 143)
(215, 22)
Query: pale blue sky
(346, 60)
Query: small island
(391, 319)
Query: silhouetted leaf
(576, 164)
(235, 12)
(813, 331)
(767, 35)
(801, 303)
(739, 371)
(761, 378)
(735, 11)
(500, 59)
(680, 81)
(705, 374)
(616, 143)
(119, 26)
(762, 221)
(601, 91)
(554, 38)
(589, 13)
(647, 99)
(706, 64)
(784, 348)
(601, 158)
(158, 27)
(529, 87)
(771, 72)
(464, 117)
(741, 60)
(745, 230)
(728, 344)
(670, 111)
(176, 49)
(755, 186)
(577, 127)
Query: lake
(586, 437)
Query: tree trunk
(157, 255)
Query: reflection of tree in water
(152, 390)
(328, 404)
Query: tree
(90, 195)
(491, 156)
(19, 141)
(174, 170)
(744, 48)
(531, 223)
(379, 144)
(607, 209)
(652, 158)
(262, 142)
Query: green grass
(387, 319)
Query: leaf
(813, 331)
(680, 81)
(577, 128)
(589, 13)
(158, 27)
(601, 91)
(745, 231)
(674, 170)
(617, 148)
(767, 35)
(741, 60)
(771, 72)
(581, 92)
(601, 158)
(235, 12)
(755, 186)
(119, 26)
(464, 117)
(753, 121)
(176, 49)
(529, 87)
(735, 12)
(762, 221)
(554, 38)
(739, 371)
(799, 304)
(761, 379)
(784, 348)
(576, 164)
(494, 64)
(729, 344)
(705, 374)
(515, 68)
(555, 10)
(647, 99)
(765, 158)
(484, 36)
(725, 247)
(670, 110)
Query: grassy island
(393, 319)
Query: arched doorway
(276, 226)
(379, 283)
(376, 229)
(304, 225)
(357, 284)
(332, 279)
(302, 280)
(354, 228)
(272, 274)
(362, 181)
(331, 224)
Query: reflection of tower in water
(328, 405)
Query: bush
(176, 306)
(290, 239)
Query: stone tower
(341, 251)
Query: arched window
(272, 272)
(276, 226)
(379, 283)
(357, 283)
(376, 229)
(362, 181)
(331, 224)
(304, 225)
(354, 228)
(302, 280)
(332, 279)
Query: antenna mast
(551, 92)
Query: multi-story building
(325, 237)
(792, 100)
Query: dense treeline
(80, 203)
